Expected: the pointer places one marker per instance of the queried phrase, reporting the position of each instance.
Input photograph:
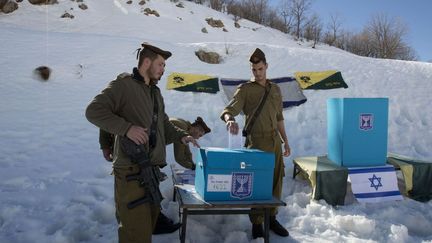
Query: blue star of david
(375, 179)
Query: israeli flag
(374, 184)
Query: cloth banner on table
(417, 176)
(292, 95)
(374, 184)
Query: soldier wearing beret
(266, 132)
(132, 107)
(197, 129)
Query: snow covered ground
(54, 183)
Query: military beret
(200, 122)
(257, 56)
(164, 54)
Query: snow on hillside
(55, 185)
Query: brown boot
(257, 231)
(277, 228)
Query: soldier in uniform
(164, 224)
(182, 155)
(266, 132)
(132, 107)
(197, 129)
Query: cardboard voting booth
(223, 174)
(357, 131)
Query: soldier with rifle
(164, 224)
(132, 108)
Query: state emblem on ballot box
(242, 185)
(224, 174)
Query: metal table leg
(183, 227)
(266, 224)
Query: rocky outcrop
(9, 7)
(43, 1)
(67, 15)
(148, 12)
(208, 57)
(216, 23)
(83, 6)
(43, 73)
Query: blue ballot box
(223, 174)
(357, 131)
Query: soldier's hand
(232, 126)
(190, 139)
(138, 134)
(287, 149)
(107, 154)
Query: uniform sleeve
(103, 109)
(236, 104)
(106, 139)
(279, 115)
(173, 133)
(183, 155)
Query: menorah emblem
(366, 121)
(242, 185)
(242, 180)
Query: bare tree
(299, 9)
(386, 35)
(287, 14)
(255, 10)
(273, 20)
(217, 4)
(235, 8)
(313, 29)
(334, 27)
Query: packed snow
(55, 185)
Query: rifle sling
(153, 127)
(249, 125)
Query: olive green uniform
(182, 153)
(125, 102)
(264, 134)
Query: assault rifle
(148, 177)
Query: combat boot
(165, 225)
(277, 228)
(257, 231)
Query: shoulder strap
(249, 125)
(153, 127)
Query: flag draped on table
(193, 82)
(291, 92)
(374, 184)
(320, 80)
